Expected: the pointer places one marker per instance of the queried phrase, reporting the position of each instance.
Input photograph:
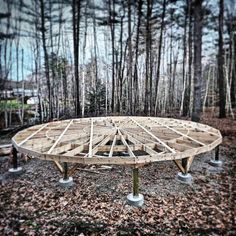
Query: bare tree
(221, 78)
(76, 34)
(196, 112)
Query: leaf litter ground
(34, 204)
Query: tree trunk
(233, 79)
(23, 87)
(147, 79)
(186, 106)
(159, 52)
(46, 60)
(184, 61)
(130, 78)
(136, 80)
(196, 111)
(76, 31)
(221, 79)
(112, 28)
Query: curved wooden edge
(115, 160)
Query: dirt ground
(34, 204)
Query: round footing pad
(66, 183)
(135, 200)
(216, 163)
(16, 171)
(185, 178)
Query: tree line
(153, 57)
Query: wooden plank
(59, 138)
(60, 168)
(32, 135)
(91, 140)
(112, 147)
(62, 149)
(179, 147)
(182, 134)
(75, 151)
(80, 148)
(55, 144)
(179, 165)
(138, 137)
(156, 138)
(131, 154)
(144, 147)
(189, 163)
(103, 142)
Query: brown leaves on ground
(34, 204)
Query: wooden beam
(189, 163)
(131, 154)
(180, 133)
(91, 140)
(179, 165)
(148, 141)
(112, 147)
(156, 138)
(80, 148)
(59, 138)
(144, 147)
(62, 149)
(55, 144)
(103, 142)
(32, 135)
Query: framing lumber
(91, 140)
(152, 135)
(32, 135)
(182, 134)
(102, 141)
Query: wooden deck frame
(107, 137)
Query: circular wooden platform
(119, 140)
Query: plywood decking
(117, 140)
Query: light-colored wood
(152, 135)
(131, 154)
(59, 138)
(179, 165)
(91, 140)
(101, 144)
(32, 135)
(55, 144)
(103, 140)
(189, 163)
(112, 147)
(182, 134)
